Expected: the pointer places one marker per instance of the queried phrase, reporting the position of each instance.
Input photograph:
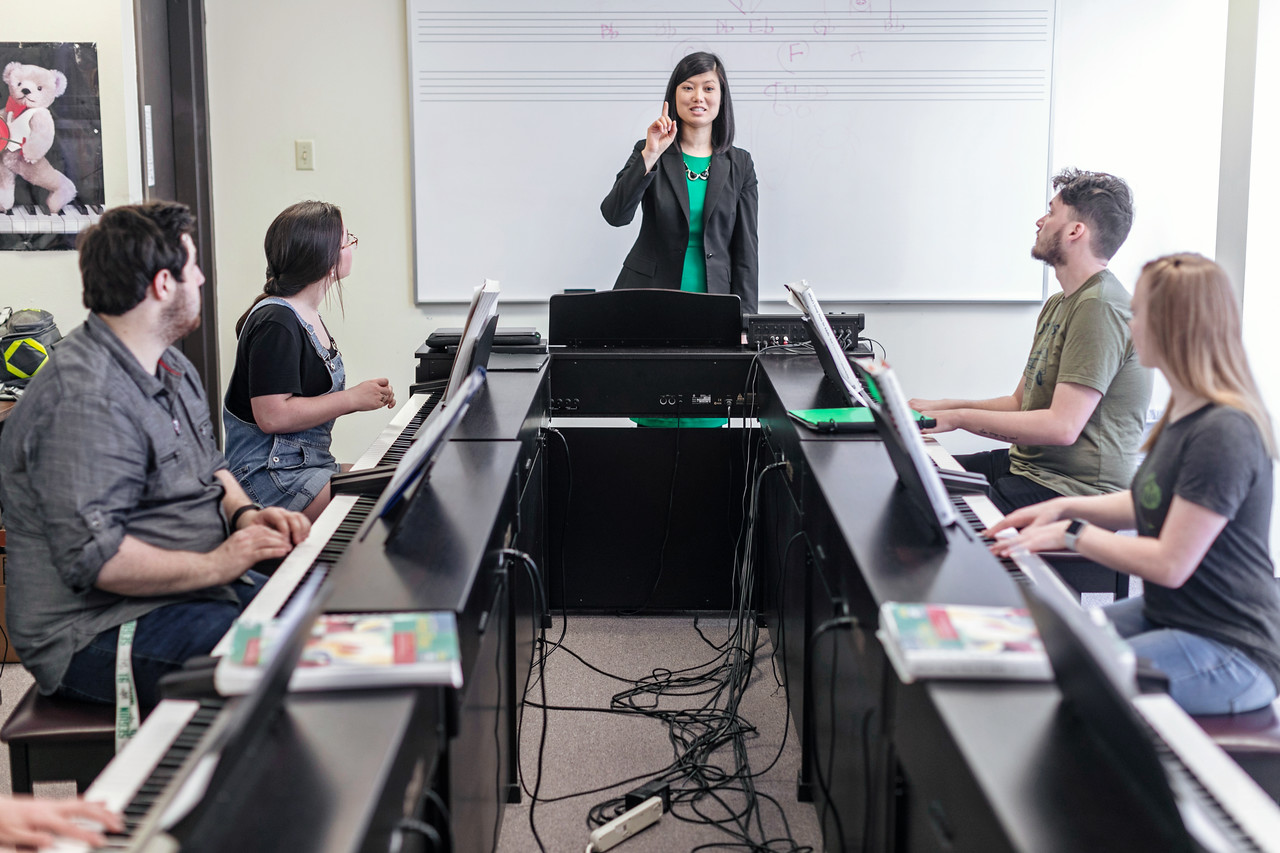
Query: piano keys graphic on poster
(50, 144)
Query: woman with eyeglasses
(289, 383)
(1209, 615)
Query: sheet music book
(484, 307)
(347, 651)
(962, 641)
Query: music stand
(645, 317)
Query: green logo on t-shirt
(1150, 495)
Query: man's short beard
(174, 324)
(1052, 253)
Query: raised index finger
(664, 109)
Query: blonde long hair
(1194, 323)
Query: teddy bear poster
(50, 143)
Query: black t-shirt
(275, 356)
(1215, 458)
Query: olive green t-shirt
(1084, 338)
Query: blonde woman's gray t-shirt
(1084, 339)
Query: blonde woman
(1209, 617)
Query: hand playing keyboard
(30, 822)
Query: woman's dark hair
(303, 245)
(121, 254)
(691, 66)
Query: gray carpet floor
(590, 751)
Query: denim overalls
(289, 469)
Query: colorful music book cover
(962, 641)
(353, 650)
(51, 179)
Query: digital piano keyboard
(137, 777)
(1223, 807)
(341, 519)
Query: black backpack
(26, 338)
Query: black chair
(1253, 740)
(55, 739)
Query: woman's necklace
(697, 176)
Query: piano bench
(55, 739)
(1253, 740)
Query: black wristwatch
(1074, 529)
(235, 516)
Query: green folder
(856, 419)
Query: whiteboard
(902, 146)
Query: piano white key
(6, 223)
(276, 591)
(116, 785)
(940, 456)
(1237, 794)
(392, 431)
(985, 510)
(95, 212)
(1032, 565)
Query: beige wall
(327, 71)
(348, 91)
(51, 280)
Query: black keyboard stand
(965, 483)
(370, 481)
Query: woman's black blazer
(729, 222)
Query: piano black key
(135, 813)
(1178, 770)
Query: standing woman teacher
(698, 231)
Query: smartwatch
(1074, 529)
(235, 516)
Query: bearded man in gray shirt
(119, 506)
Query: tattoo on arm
(997, 436)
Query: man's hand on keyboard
(29, 822)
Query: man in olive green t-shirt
(1076, 416)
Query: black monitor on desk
(645, 317)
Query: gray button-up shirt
(97, 449)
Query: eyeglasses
(351, 240)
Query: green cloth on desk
(686, 423)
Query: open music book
(348, 651)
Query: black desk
(981, 766)
(930, 766)
(325, 794)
